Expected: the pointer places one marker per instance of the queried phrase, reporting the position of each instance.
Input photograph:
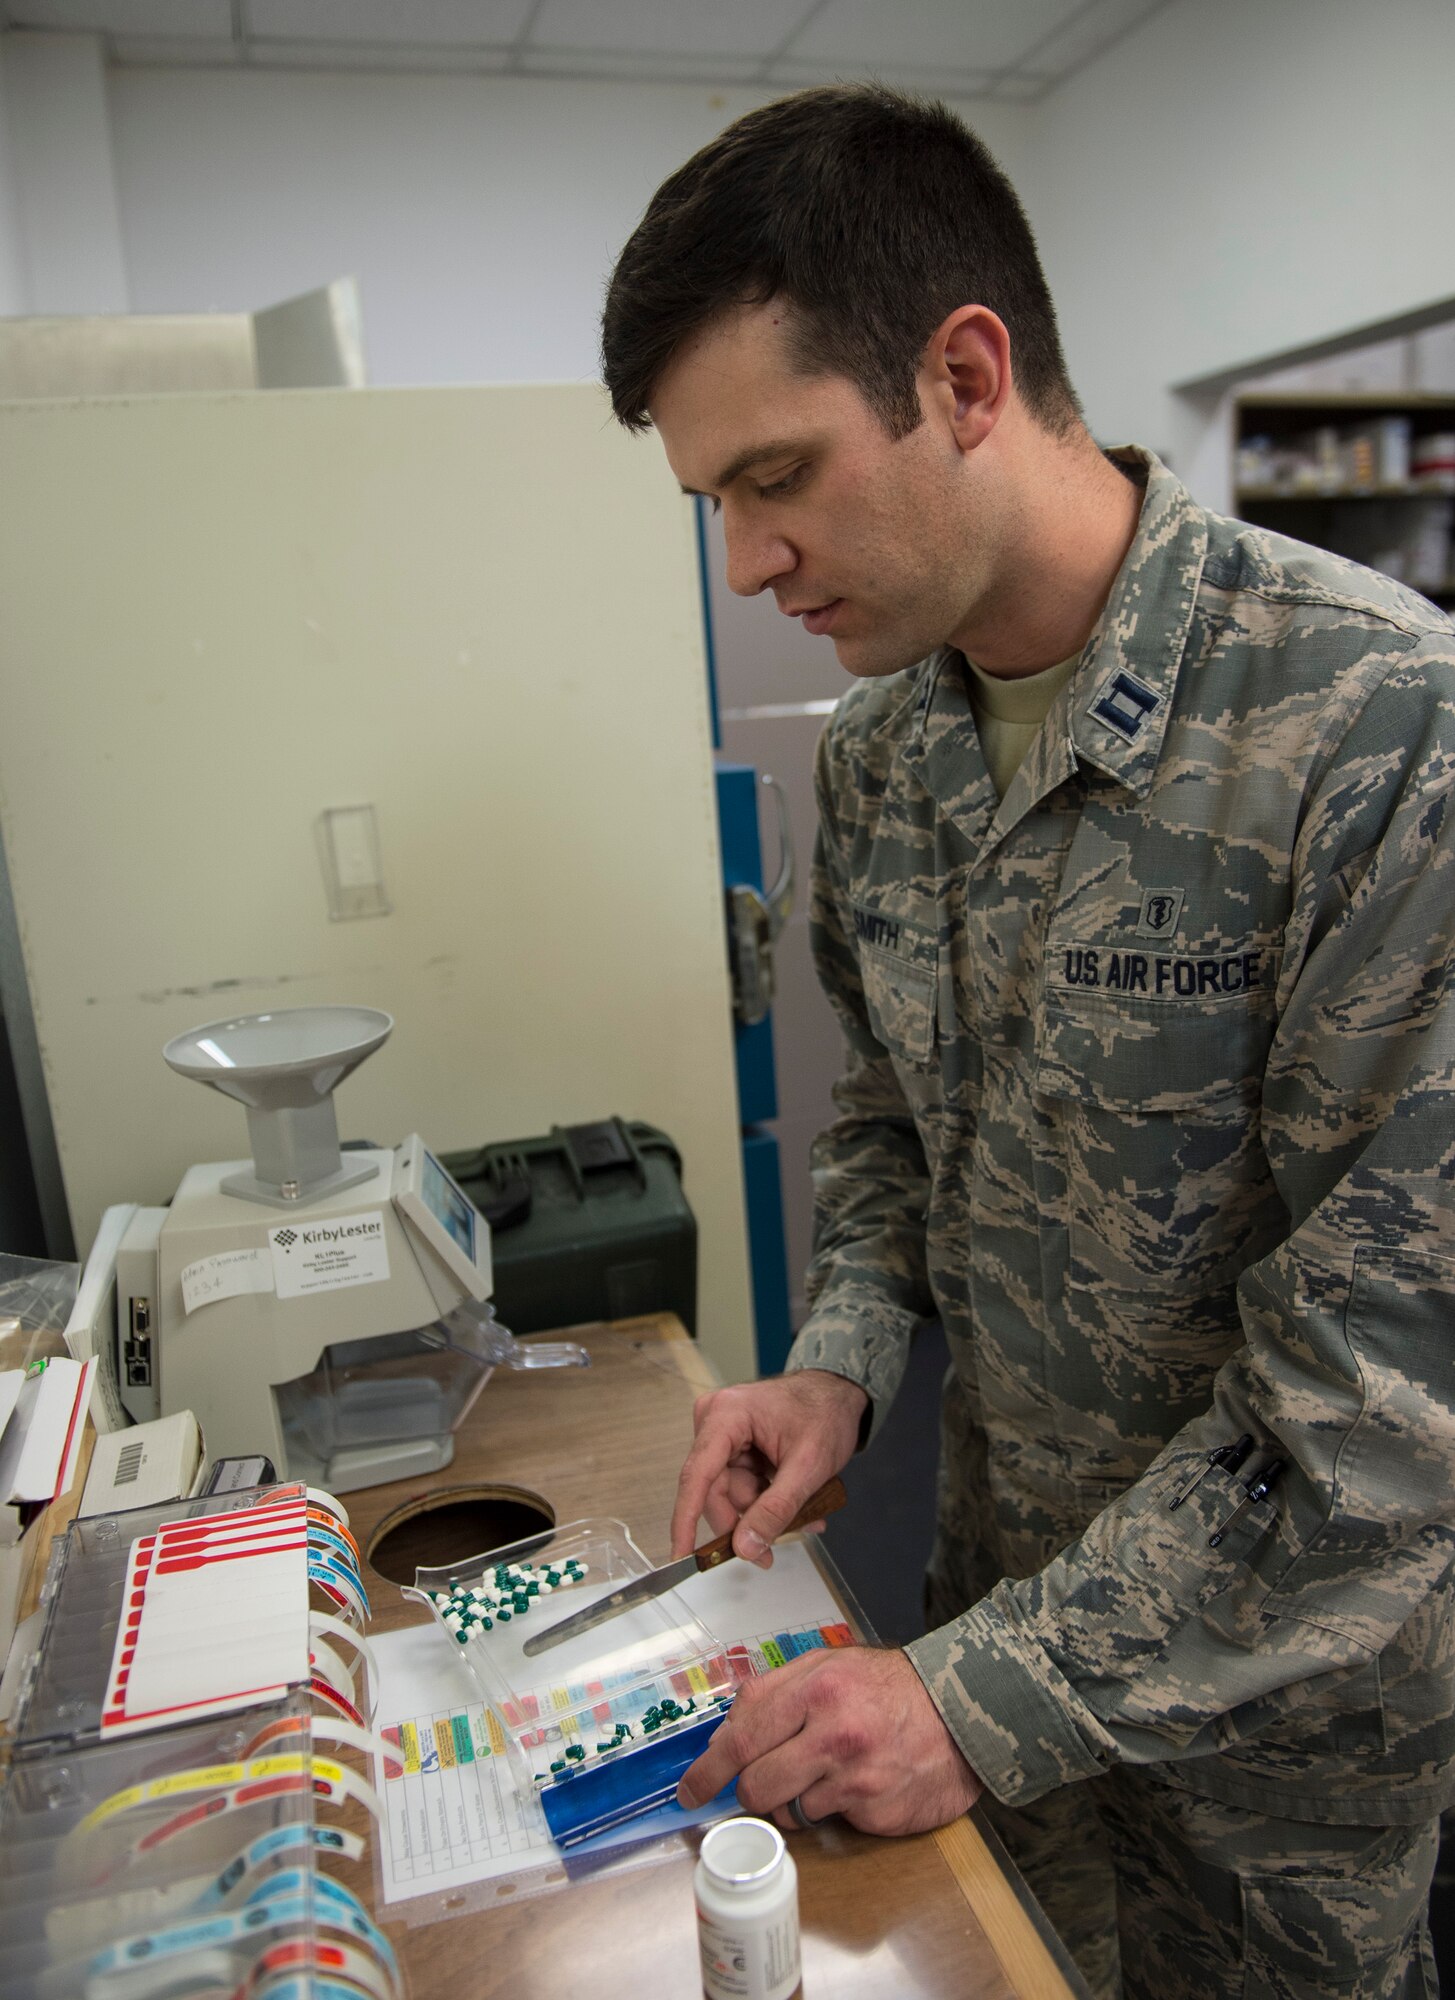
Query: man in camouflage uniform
(1149, 1097)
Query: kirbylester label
(328, 1255)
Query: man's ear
(966, 373)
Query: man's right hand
(759, 1452)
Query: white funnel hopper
(285, 1068)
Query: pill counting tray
(634, 1679)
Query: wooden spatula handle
(827, 1500)
(818, 1506)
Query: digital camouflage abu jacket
(1151, 1097)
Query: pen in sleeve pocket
(1229, 1456)
(1254, 1494)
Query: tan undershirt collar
(1009, 713)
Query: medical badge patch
(1160, 914)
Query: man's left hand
(849, 1731)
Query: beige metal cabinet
(475, 610)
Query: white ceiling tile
(925, 34)
(663, 66)
(189, 19)
(753, 28)
(958, 48)
(468, 24)
(387, 58)
(1093, 29)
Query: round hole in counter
(454, 1524)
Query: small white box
(145, 1465)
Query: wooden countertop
(933, 1915)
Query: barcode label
(128, 1465)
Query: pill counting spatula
(828, 1499)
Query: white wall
(1237, 180)
(64, 187)
(480, 215)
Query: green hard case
(608, 1235)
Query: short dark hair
(872, 215)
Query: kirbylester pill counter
(329, 1308)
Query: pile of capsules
(660, 1715)
(508, 1591)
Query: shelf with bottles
(1368, 476)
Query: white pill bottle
(747, 1913)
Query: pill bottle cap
(742, 1853)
